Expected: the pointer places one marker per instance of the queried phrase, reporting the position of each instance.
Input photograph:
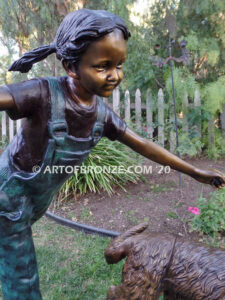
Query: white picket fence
(127, 107)
(145, 108)
(8, 127)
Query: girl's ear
(70, 69)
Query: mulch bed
(158, 200)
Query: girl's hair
(76, 32)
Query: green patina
(26, 196)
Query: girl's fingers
(218, 182)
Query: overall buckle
(58, 130)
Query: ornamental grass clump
(104, 169)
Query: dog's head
(120, 246)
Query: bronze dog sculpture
(157, 263)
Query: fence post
(4, 131)
(116, 100)
(197, 104)
(18, 125)
(11, 129)
(105, 100)
(161, 118)
(223, 120)
(138, 109)
(149, 113)
(127, 106)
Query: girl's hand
(210, 176)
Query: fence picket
(4, 128)
(105, 100)
(161, 118)
(127, 106)
(149, 114)
(116, 100)
(18, 124)
(138, 109)
(11, 129)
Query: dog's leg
(116, 293)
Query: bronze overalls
(24, 197)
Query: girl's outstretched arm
(6, 100)
(164, 157)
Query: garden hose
(82, 227)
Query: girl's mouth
(110, 86)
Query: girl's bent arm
(164, 157)
(6, 100)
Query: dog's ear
(119, 247)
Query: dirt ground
(158, 201)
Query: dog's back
(197, 270)
(160, 262)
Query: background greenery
(210, 223)
(26, 24)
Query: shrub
(211, 220)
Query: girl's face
(100, 68)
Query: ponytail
(75, 33)
(25, 63)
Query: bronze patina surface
(157, 263)
(92, 48)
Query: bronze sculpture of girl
(63, 120)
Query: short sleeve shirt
(33, 105)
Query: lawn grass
(71, 264)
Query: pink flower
(194, 210)
(145, 129)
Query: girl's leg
(18, 266)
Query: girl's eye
(100, 67)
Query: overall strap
(98, 128)
(58, 128)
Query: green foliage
(28, 24)
(106, 154)
(189, 144)
(216, 150)
(214, 94)
(184, 83)
(211, 220)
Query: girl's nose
(113, 75)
